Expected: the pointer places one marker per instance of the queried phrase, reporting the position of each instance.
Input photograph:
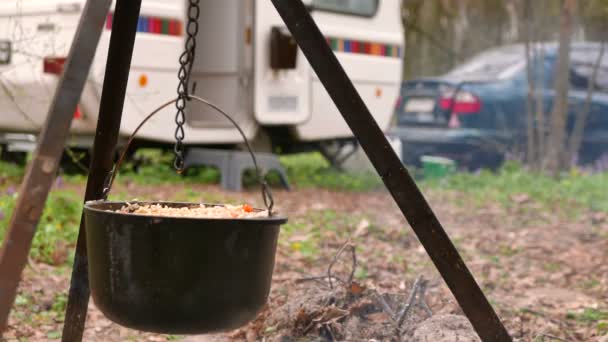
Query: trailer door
(223, 63)
(282, 95)
(367, 38)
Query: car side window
(580, 81)
(581, 72)
(577, 81)
(542, 73)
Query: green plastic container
(437, 167)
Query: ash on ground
(354, 313)
(334, 307)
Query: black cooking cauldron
(178, 275)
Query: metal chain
(186, 59)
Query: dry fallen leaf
(362, 228)
(362, 308)
(356, 288)
(378, 317)
(330, 313)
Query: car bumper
(464, 145)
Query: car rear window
(489, 65)
(364, 8)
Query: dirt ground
(545, 274)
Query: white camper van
(246, 62)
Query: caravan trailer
(246, 62)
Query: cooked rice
(202, 211)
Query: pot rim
(275, 219)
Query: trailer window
(364, 8)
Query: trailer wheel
(337, 152)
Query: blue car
(476, 113)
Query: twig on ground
(331, 333)
(346, 244)
(409, 304)
(386, 307)
(416, 298)
(421, 292)
(329, 276)
(317, 279)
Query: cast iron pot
(178, 275)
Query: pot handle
(266, 193)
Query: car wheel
(487, 160)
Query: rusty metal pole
(400, 184)
(122, 40)
(42, 169)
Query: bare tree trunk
(531, 155)
(541, 129)
(511, 10)
(553, 160)
(461, 26)
(426, 53)
(576, 137)
(595, 19)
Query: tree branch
(531, 155)
(576, 137)
(554, 158)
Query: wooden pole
(124, 28)
(398, 181)
(42, 169)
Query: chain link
(186, 60)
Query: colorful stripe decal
(367, 48)
(155, 25)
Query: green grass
(10, 172)
(307, 234)
(310, 170)
(158, 169)
(573, 191)
(588, 315)
(34, 311)
(305, 170)
(57, 229)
